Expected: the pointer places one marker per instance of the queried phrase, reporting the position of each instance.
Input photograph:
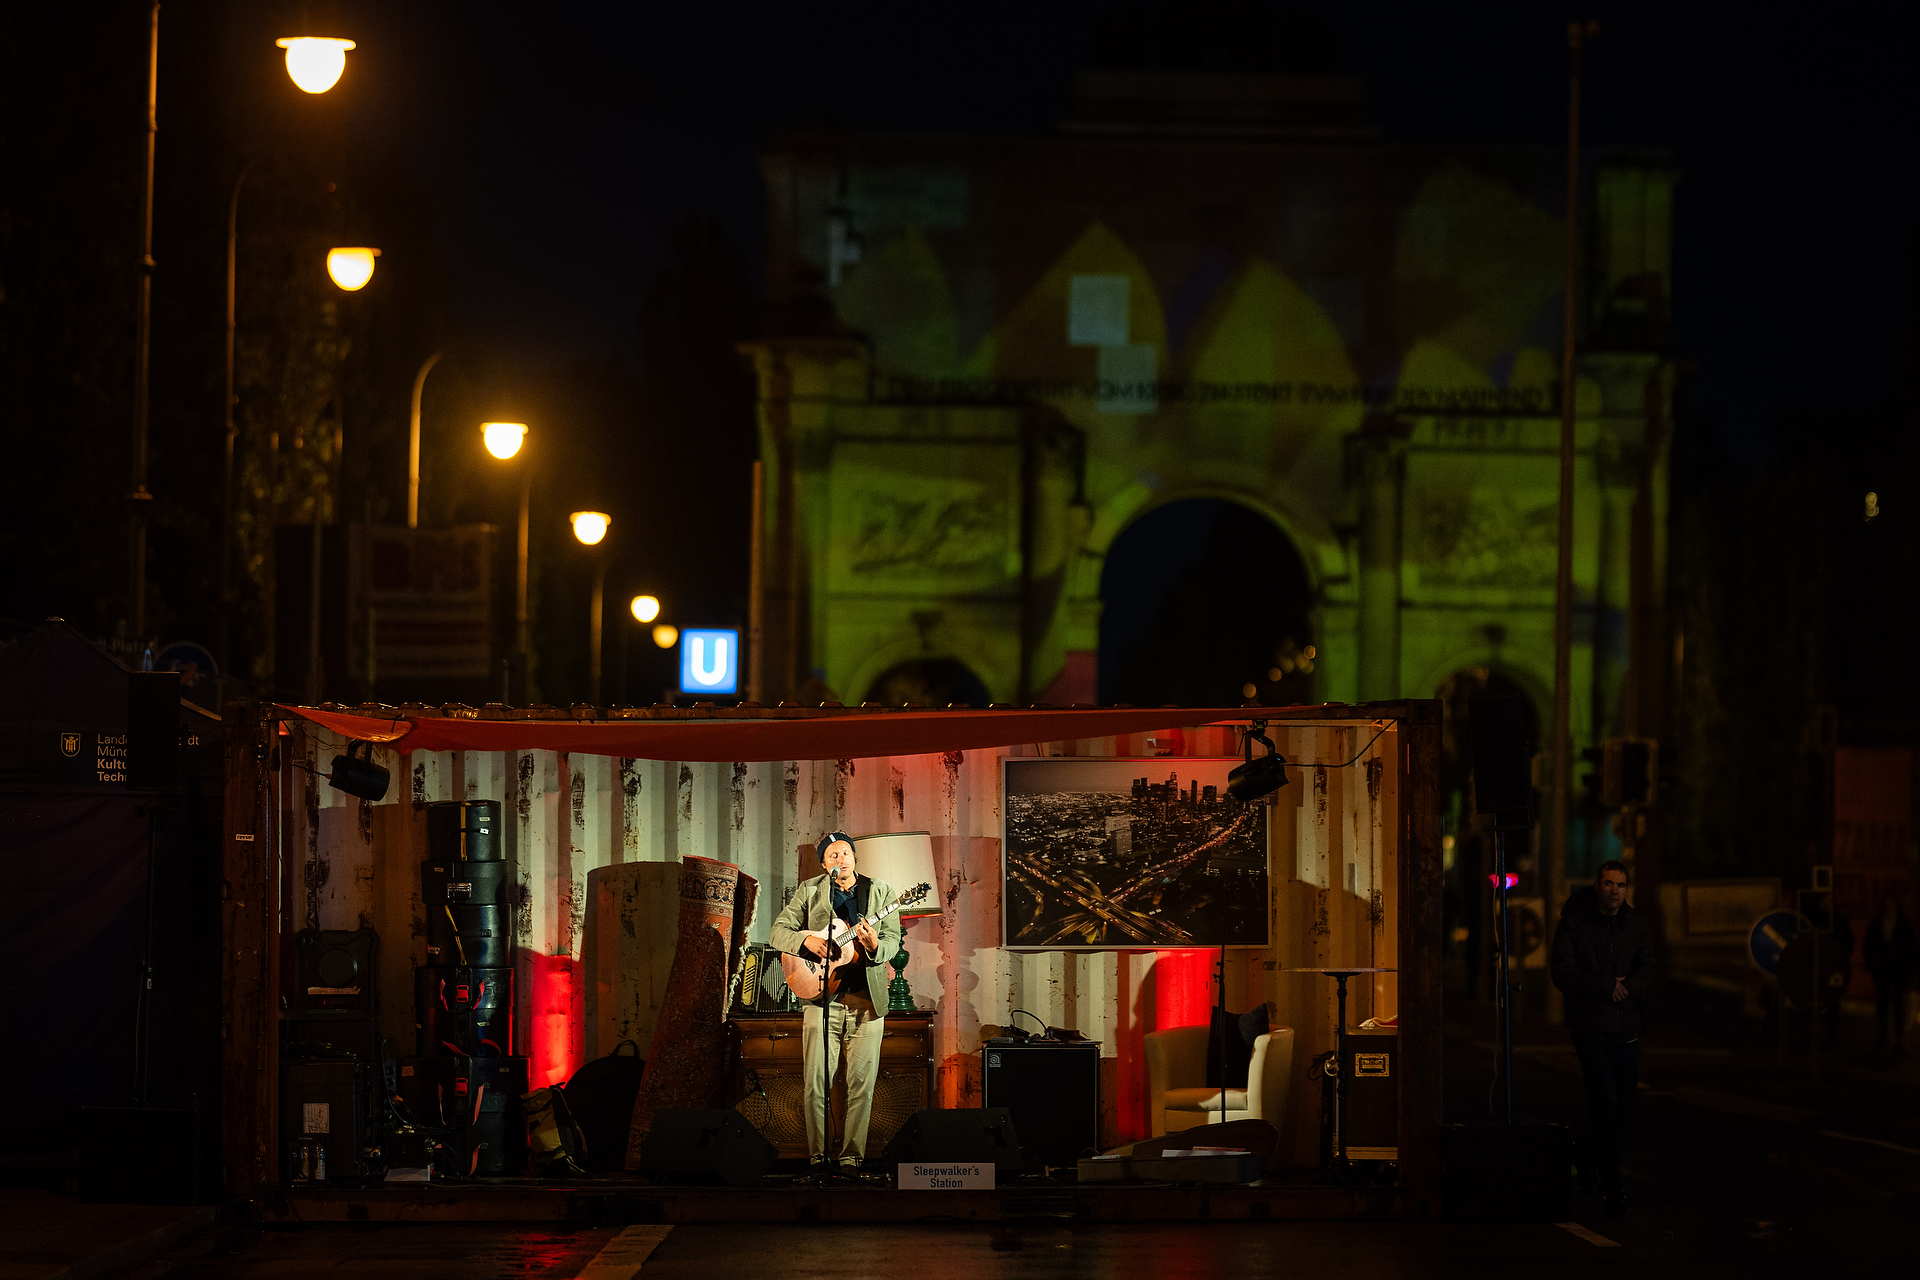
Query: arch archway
(1199, 598)
(934, 682)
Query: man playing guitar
(851, 1013)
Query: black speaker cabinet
(324, 1121)
(983, 1135)
(1502, 756)
(702, 1147)
(470, 936)
(448, 1091)
(457, 883)
(153, 730)
(1508, 1173)
(336, 968)
(464, 831)
(1373, 1095)
(140, 1155)
(1052, 1093)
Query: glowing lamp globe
(645, 608)
(503, 439)
(666, 636)
(351, 268)
(315, 62)
(590, 526)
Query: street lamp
(351, 268)
(666, 636)
(645, 608)
(301, 58)
(315, 62)
(590, 528)
(503, 441)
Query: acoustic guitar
(809, 976)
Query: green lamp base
(900, 991)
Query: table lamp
(902, 859)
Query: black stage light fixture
(359, 776)
(1254, 779)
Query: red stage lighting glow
(1183, 989)
(1510, 877)
(552, 1052)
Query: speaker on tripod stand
(1505, 1172)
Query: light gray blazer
(810, 908)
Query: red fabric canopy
(839, 737)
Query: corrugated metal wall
(1334, 842)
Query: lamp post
(301, 51)
(504, 441)
(644, 609)
(413, 443)
(590, 528)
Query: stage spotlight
(1256, 779)
(359, 776)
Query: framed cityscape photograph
(1124, 853)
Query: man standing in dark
(1603, 962)
(1892, 956)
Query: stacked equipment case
(466, 1078)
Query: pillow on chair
(1242, 1029)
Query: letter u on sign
(709, 661)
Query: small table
(1340, 976)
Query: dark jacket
(1891, 961)
(1590, 950)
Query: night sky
(562, 146)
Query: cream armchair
(1177, 1070)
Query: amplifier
(470, 936)
(331, 1033)
(335, 967)
(464, 831)
(324, 1121)
(1052, 1092)
(460, 882)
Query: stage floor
(629, 1200)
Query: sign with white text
(946, 1177)
(709, 661)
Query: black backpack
(600, 1096)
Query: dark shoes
(1585, 1176)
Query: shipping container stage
(1353, 875)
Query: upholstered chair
(1178, 1097)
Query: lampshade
(903, 859)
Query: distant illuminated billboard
(709, 661)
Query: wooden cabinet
(768, 1080)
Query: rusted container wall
(1333, 856)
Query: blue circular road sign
(1771, 934)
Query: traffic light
(1629, 772)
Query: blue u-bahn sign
(709, 661)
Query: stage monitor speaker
(464, 831)
(1052, 1093)
(458, 883)
(981, 1135)
(705, 1147)
(336, 967)
(470, 936)
(1502, 756)
(140, 1155)
(1507, 1173)
(153, 730)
